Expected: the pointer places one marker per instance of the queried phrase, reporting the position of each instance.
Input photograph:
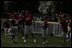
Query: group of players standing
(23, 24)
(19, 23)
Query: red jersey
(64, 23)
(69, 22)
(15, 16)
(21, 21)
(28, 20)
(61, 14)
(45, 25)
(14, 22)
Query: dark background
(33, 6)
(24, 5)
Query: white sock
(34, 40)
(46, 41)
(43, 42)
(24, 40)
(23, 37)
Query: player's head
(27, 12)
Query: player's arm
(60, 20)
(10, 22)
(33, 21)
(42, 25)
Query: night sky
(67, 6)
(33, 6)
(29, 5)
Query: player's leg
(15, 34)
(5, 29)
(69, 31)
(68, 36)
(22, 30)
(9, 31)
(26, 32)
(46, 35)
(19, 27)
(43, 35)
(64, 37)
(31, 31)
(13, 30)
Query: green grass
(52, 41)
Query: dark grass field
(53, 41)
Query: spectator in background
(54, 18)
(44, 17)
